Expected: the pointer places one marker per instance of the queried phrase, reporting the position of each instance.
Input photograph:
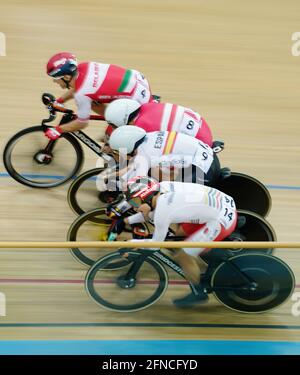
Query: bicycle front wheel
(83, 195)
(138, 285)
(272, 283)
(93, 226)
(27, 161)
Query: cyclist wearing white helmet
(168, 150)
(93, 85)
(201, 213)
(157, 116)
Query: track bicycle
(34, 160)
(247, 282)
(95, 225)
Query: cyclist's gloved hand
(53, 133)
(119, 226)
(59, 101)
(112, 211)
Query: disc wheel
(248, 193)
(272, 283)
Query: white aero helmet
(127, 137)
(118, 111)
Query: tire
(256, 228)
(42, 175)
(248, 193)
(83, 195)
(90, 227)
(275, 283)
(114, 289)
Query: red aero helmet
(63, 63)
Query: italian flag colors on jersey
(128, 82)
(104, 81)
(118, 80)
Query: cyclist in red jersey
(157, 117)
(92, 85)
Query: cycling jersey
(171, 117)
(169, 150)
(186, 203)
(106, 82)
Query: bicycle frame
(166, 260)
(68, 116)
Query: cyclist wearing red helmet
(201, 213)
(93, 85)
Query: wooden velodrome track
(231, 61)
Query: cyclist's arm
(161, 219)
(134, 219)
(84, 105)
(66, 96)
(137, 218)
(161, 222)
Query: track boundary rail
(147, 244)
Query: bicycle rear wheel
(93, 226)
(274, 281)
(256, 228)
(83, 195)
(126, 290)
(26, 160)
(247, 192)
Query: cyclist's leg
(207, 232)
(211, 231)
(189, 265)
(189, 258)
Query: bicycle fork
(128, 280)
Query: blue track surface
(154, 347)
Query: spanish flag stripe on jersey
(172, 117)
(171, 139)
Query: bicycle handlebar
(49, 102)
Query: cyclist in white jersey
(168, 150)
(202, 214)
